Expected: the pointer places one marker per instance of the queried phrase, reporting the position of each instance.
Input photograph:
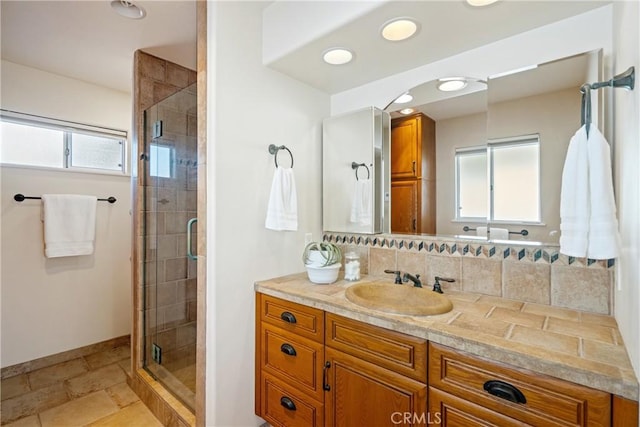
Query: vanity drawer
(284, 406)
(549, 401)
(398, 352)
(294, 359)
(302, 320)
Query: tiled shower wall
(526, 273)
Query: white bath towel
(588, 223)
(361, 202)
(604, 241)
(499, 233)
(282, 212)
(69, 224)
(481, 232)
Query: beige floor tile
(122, 394)
(96, 380)
(125, 364)
(136, 415)
(32, 421)
(605, 353)
(80, 412)
(551, 311)
(14, 386)
(104, 358)
(53, 374)
(33, 402)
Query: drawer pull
(288, 349)
(325, 383)
(505, 391)
(288, 317)
(287, 403)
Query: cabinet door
(404, 206)
(405, 148)
(363, 394)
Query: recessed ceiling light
(337, 56)
(399, 29)
(404, 98)
(407, 111)
(451, 84)
(128, 9)
(479, 3)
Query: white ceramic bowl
(323, 275)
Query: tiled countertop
(576, 346)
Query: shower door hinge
(157, 129)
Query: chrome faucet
(415, 279)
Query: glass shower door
(170, 273)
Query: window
(161, 160)
(37, 141)
(499, 182)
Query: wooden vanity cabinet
(289, 363)
(413, 174)
(459, 390)
(375, 377)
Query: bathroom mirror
(536, 110)
(355, 184)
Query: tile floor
(87, 391)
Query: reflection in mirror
(427, 132)
(499, 152)
(533, 113)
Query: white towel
(588, 223)
(481, 232)
(499, 233)
(69, 224)
(282, 212)
(361, 202)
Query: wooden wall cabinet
(413, 175)
(318, 369)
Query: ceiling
(446, 28)
(88, 41)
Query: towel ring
(273, 149)
(357, 166)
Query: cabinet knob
(287, 403)
(505, 391)
(288, 317)
(288, 349)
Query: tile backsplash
(537, 274)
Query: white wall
(250, 107)
(626, 20)
(54, 305)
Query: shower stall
(170, 273)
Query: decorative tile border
(434, 245)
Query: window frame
(531, 139)
(68, 128)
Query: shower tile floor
(86, 391)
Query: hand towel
(499, 233)
(588, 223)
(361, 202)
(69, 224)
(282, 212)
(481, 232)
(574, 197)
(603, 224)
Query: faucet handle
(398, 280)
(436, 286)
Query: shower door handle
(190, 254)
